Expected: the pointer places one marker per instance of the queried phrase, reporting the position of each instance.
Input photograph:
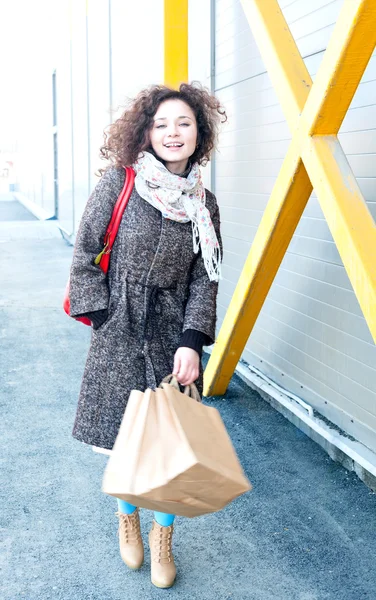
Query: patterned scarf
(180, 199)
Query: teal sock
(125, 508)
(163, 519)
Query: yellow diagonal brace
(286, 69)
(175, 42)
(280, 54)
(350, 222)
(342, 67)
(282, 214)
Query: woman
(156, 308)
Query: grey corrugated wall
(311, 336)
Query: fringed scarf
(180, 199)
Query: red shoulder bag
(103, 258)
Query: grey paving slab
(306, 532)
(26, 230)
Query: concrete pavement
(306, 532)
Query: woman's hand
(186, 365)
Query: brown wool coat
(156, 288)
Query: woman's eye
(185, 124)
(160, 126)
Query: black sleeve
(194, 339)
(97, 317)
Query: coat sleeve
(201, 307)
(88, 287)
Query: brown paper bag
(173, 455)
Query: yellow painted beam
(282, 214)
(281, 56)
(324, 107)
(350, 222)
(342, 67)
(175, 42)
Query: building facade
(311, 337)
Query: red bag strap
(119, 209)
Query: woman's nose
(173, 131)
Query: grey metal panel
(331, 337)
(345, 388)
(237, 247)
(258, 202)
(358, 119)
(341, 298)
(253, 168)
(368, 188)
(284, 3)
(258, 185)
(370, 72)
(263, 133)
(258, 115)
(311, 335)
(360, 142)
(330, 295)
(363, 165)
(322, 312)
(243, 43)
(309, 14)
(365, 95)
(237, 55)
(351, 378)
(276, 149)
(301, 384)
(314, 228)
(243, 232)
(246, 216)
(245, 200)
(305, 19)
(324, 315)
(325, 272)
(313, 248)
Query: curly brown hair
(129, 135)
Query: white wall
(77, 44)
(311, 336)
(27, 48)
(137, 48)
(199, 50)
(104, 53)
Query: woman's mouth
(174, 146)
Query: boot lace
(129, 528)
(163, 544)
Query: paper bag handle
(189, 390)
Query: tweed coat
(156, 288)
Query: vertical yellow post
(175, 42)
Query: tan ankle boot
(130, 541)
(163, 570)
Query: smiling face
(173, 136)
